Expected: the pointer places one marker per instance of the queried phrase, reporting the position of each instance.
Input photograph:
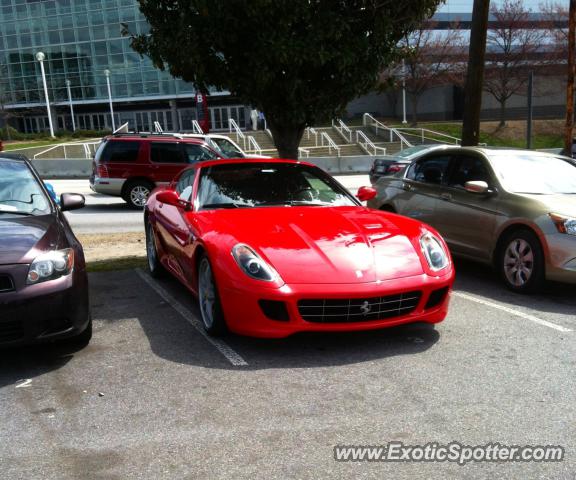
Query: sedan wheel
(154, 264)
(522, 261)
(210, 307)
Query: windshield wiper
(16, 212)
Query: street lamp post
(40, 57)
(404, 92)
(107, 73)
(71, 106)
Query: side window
(119, 151)
(198, 153)
(185, 184)
(429, 170)
(468, 169)
(166, 152)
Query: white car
(224, 145)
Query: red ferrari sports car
(275, 247)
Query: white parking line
(511, 311)
(222, 346)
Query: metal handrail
(452, 139)
(196, 128)
(331, 145)
(233, 126)
(254, 144)
(365, 143)
(85, 146)
(341, 127)
(393, 131)
(312, 131)
(158, 127)
(304, 151)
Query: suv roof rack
(146, 134)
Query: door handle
(446, 196)
(406, 186)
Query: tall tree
(513, 48)
(298, 61)
(432, 58)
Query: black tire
(137, 192)
(521, 261)
(155, 267)
(209, 301)
(83, 339)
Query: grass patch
(121, 263)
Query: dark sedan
(43, 280)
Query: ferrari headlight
(434, 252)
(51, 265)
(563, 223)
(252, 265)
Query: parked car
(301, 254)
(43, 281)
(395, 163)
(132, 165)
(223, 145)
(515, 209)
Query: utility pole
(529, 121)
(475, 73)
(569, 125)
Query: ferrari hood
(326, 245)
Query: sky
(465, 6)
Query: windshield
(268, 184)
(536, 174)
(20, 193)
(227, 148)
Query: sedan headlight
(50, 266)
(434, 252)
(563, 223)
(252, 264)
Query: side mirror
(477, 187)
(71, 201)
(366, 193)
(169, 197)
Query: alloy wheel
(518, 262)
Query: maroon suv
(132, 165)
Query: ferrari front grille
(358, 309)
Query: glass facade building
(81, 39)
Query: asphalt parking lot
(151, 397)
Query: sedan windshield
(535, 174)
(20, 193)
(268, 184)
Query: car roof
(152, 137)
(231, 161)
(13, 156)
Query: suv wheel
(137, 192)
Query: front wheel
(521, 261)
(209, 300)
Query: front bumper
(561, 257)
(245, 316)
(49, 311)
